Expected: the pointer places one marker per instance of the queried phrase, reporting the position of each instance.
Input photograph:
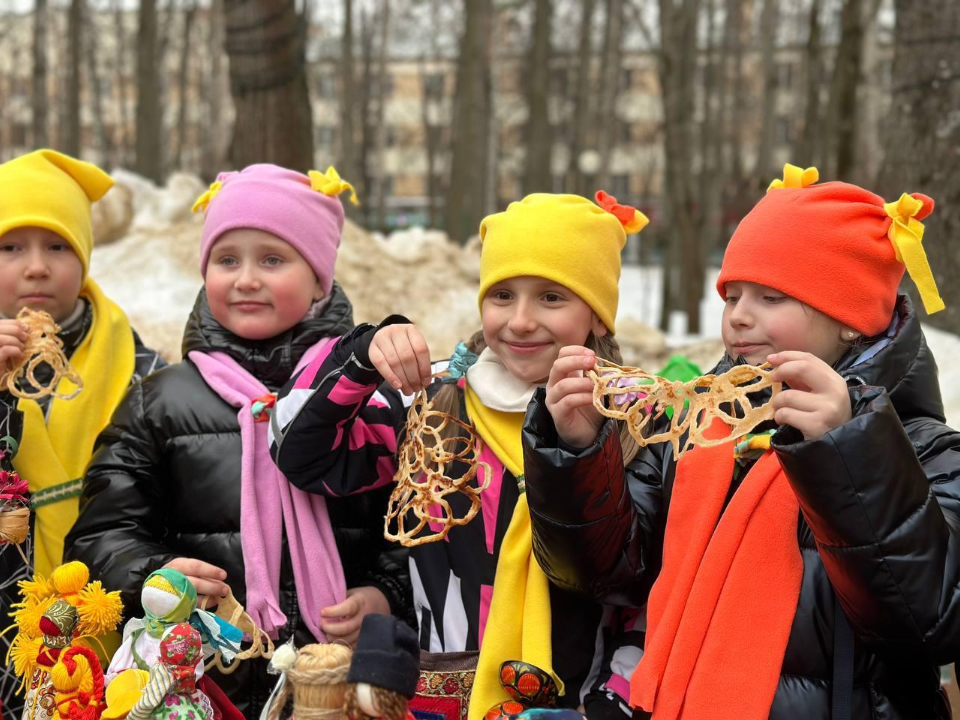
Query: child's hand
(817, 401)
(12, 337)
(570, 397)
(360, 602)
(401, 356)
(206, 578)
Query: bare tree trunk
(610, 66)
(104, 145)
(427, 101)
(148, 161)
(189, 12)
(121, 62)
(431, 108)
(39, 101)
(348, 84)
(806, 151)
(268, 81)
(466, 194)
(211, 132)
(382, 87)
(842, 112)
(368, 130)
(735, 192)
(581, 111)
(678, 58)
(71, 143)
(868, 150)
(712, 129)
(668, 290)
(539, 141)
(769, 18)
(922, 134)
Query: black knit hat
(387, 655)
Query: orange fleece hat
(835, 247)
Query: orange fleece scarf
(720, 613)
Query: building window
(560, 80)
(620, 187)
(387, 186)
(785, 73)
(326, 87)
(323, 136)
(885, 71)
(433, 85)
(783, 131)
(387, 80)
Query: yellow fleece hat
(563, 238)
(54, 191)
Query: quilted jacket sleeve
(883, 501)
(597, 527)
(119, 533)
(334, 429)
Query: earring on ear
(851, 334)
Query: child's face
(759, 321)
(527, 320)
(39, 270)
(258, 285)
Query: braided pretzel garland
(707, 396)
(43, 346)
(422, 480)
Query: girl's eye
(59, 247)
(552, 298)
(501, 295)
(731, 300)
(227, 261)
(273, 260)
(773, 299)
(8, 247)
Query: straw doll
(316, 677)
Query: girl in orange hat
(809, 569)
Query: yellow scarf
(54, 454)
(519, 623)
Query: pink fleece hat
(303, 210)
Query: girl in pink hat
(183, 477)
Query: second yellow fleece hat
(564, 238)
(54, 191)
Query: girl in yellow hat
(549, 273)
(45, 244)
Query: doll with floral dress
(172, 693)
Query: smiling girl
(183, 476)
(549, 272)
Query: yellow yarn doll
(55, 614)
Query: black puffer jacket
(165, 482)
(880, 505)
